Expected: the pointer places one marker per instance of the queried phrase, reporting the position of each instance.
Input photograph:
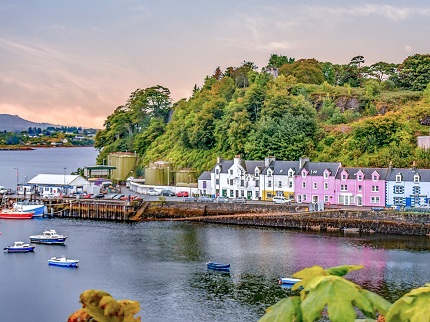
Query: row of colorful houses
(304, 182)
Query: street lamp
(64, 177)
(17, 179)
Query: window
(326, 199)
(375, 188)
(343, 187)
(374, 199)
(303, 174)
(375, 177)
(257, 183)
(398, 189)
(217, 171)
(398, 177)
(325, 186)
(360, 177)
(269, 183)
(325, 175)
(398, 201)
(416, 190)
(231, 182)
(343, 176)
(231, 172)
(416, 178)
(290, 183)
(315, 185)
(304, 198)
(303, 185)
(216, 182)
(269, 173)
(279, 184)
(360, 188)
(257, 172)
(204, 185)
(242, 183)
(231, 194)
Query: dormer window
(399, 177)
(303, 174)
(257, 172)
(416, 178)
(290, 173)
(269, 173)
(360, 177)
(344, 176)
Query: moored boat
(49, 237)
(63, 261)
(218, 266)
(19, 247)
(15, 214)
(36, 207)
(288, 281)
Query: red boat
(15, 214)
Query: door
(359, 200)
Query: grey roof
(281, 167)
(318, 168)
(225, 165)
(366, 171)
(251, 165)
(206, 175)
(408, 174)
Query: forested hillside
(358, 115)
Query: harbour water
(162, 264)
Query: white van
(281, 199)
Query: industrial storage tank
(124, 162)
(155, 176)
(186, 176)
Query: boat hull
(218, 266)
(63, 262)
(56, 241)
(9, 214)
(19, 250)
(37, 209)
(288, 281)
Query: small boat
(19, 247)
(15, 214)
(288, 281)
(218, 266)
(49, 237)
(37, 207)
(63, 261)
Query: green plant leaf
(378, 302)
(411, 307)
(338, 294)
(343, 270)
(286, 310)
(306, 275)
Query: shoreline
(32, 147)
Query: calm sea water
(162, 264)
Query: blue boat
(288, 281)
(49, 237)
(218, 266)
(19, 247)
(63, 261)
(37, 207)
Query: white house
(56, 184)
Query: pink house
(316, 182)
(361, 187)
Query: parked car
(118, 197)
(153, 192)
(111, 196)
(190, 199)
(239, 200)
(167, 192)
(182, 194)
(3, 190)
(222, 199)
(98, 196)
(205, 199)
(87, 196)
(281, 199)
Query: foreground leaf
(306, 275)
(338, 294)
(411, 307)
(286, 310)
(343, 270)
(378, 302)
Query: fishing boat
(63, 261)
(37, 207)
(49, 237)
(15, 214)
(218, 266)
(19, 247)
(288, 281)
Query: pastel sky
(72, 62)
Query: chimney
(302, 161)
(218, 159)
(414, 166)
(236, 159)
(390, 166)
(268, 160)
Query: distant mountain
(11, 123)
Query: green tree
(414, 72)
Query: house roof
(206, 175)
(318, 168)
(281, 167)
(367, 172)
(58, 180)
(408, 174)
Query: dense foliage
(325, 293)
(358, 115)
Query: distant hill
(11, 123)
